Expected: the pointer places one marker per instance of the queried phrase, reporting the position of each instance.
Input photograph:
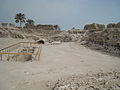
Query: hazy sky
(66, 13)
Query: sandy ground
(56, 62)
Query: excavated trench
(22, 52)
(22, 58)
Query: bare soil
(56, 62)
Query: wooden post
(39, 52)
(0, 56)
(16, 57)
(8, 54)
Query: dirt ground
(56, 62)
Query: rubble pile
(99, 81)
(65, 37)
(107, 39)
(15, 35)
(3, 34)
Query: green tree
(20, 18)
(30, 22)
(4, 25)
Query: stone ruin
(43, 27)
(112, 25)
(94, 26)
(22, 58)
(37, 27)
(75, 31)
(103, 39)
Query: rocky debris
(65, 37)
(107, 40)
(113, 25)
(94, 26)
(16, 35)
(22, 33)
(43, 27)
(99, 81)
(3, 34)
(32, 37)
(84, 42)
(10, 33)
(47, 33)
(20, 58)
(75, 31)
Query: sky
(65, 13)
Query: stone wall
(107, 40)
(43, 27)
(75, 31)
(113, 25)
(94, 26)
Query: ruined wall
(94, 26)
(113, 25)
(75, 31)
(43, 27)
(107, 39)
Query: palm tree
(20, 18)
(30, 22)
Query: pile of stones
(99, 81)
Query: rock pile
(3, 34)
(15, 35)
(106, 39)
(99, 81)
(10, 33)
(65, 37)
(23, 33)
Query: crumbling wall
(65, 37)
(113, 25)
(43, 27)
(107, 40)
(46, 27)
(94, 26)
